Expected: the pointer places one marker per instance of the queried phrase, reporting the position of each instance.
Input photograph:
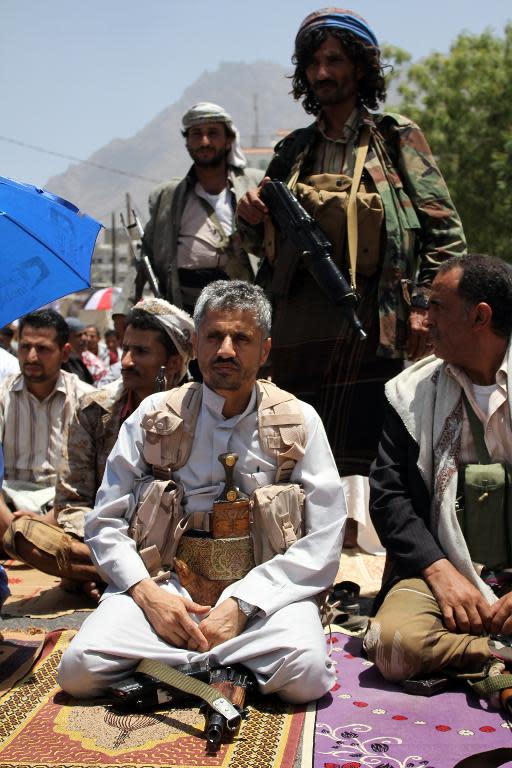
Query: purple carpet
(365, 721)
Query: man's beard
(333, 95)
(211, 161)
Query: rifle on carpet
(154, 685)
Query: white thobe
(283, 644)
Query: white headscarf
(176, 323)
(207, 112)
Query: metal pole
(113, 230)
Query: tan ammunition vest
(169, 431)
(159, 521)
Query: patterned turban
(206, 112)
(176, 323)
(340, 18)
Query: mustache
(323, 82)
(223, 361)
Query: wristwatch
(247, 609)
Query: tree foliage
(463, 102)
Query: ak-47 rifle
(135, 234)
(313, 246)
(222, 689)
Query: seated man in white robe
(266, 615)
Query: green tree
(463, 102)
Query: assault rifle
(315, 249)
(135, 233)
(144, 692)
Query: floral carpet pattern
(365, 721)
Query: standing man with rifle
(371, 183)
(190, 239)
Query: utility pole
(256, 134)
(128, 209)
(114, 255)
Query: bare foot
(92, 589)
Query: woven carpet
(365, 721)
(37, 595)
(18, 652)
(41, 727)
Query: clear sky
(75, 74)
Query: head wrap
(340, 18)
(207, 112)
(176, 323)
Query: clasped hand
(169, 615)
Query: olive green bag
(484, 504)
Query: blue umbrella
(46, 247)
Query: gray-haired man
(267, 617)
(191, 237)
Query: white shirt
(495, 419)
(222, 204)
(8, 364)
(308, 567)
(201, 244)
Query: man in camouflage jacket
(315, 353)
(191, 238)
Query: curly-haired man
(406, 227)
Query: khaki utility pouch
(325, 197)
(277, 519)
(484, 509)
(162, 439)
(484, 516)
(158, 524)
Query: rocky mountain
(157, 152)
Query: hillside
(157, 151)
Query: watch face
(246, 608)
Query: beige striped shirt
(32, 430)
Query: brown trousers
(49, 549)
(407, 637)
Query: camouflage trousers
(407, 637)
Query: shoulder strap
(477, 430)
(281, 427)
(362, 151)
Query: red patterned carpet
(43, 728)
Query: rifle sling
(352, 232)
(191, 685)
(477, 430)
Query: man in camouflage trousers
(406, 223)
(158, 336)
